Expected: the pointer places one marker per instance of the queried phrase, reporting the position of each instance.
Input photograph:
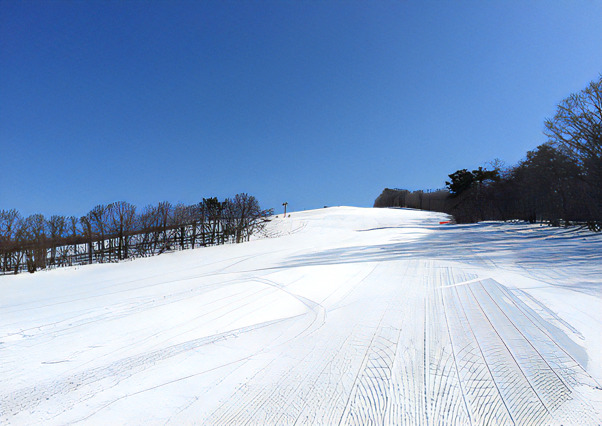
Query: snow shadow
(482, 244)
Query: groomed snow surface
(336, 316)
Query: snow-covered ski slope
(338, 316)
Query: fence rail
(73, 251)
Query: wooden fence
(71, 251)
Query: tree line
(118, 231)
(558, 182)
(433, 200)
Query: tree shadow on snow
(482, 244)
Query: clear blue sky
(311, 102)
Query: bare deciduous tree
(35, 231)
(577, 125)
(99, 219)
(88, 234)
(244, 215)
(123, 217)
(9, 232)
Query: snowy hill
(340, 315)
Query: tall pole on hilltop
(285, 204)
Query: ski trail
(405, 322)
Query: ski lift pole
(285, 204)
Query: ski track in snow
(407, 322)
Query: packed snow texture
(334, 316)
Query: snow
(339, 315)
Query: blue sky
(311, 102)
